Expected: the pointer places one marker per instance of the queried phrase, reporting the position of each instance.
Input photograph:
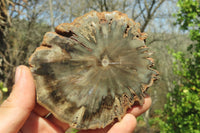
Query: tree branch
(150, 13)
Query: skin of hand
(20, 112)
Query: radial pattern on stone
(89, 72)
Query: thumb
(15, 110)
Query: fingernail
(18, 73)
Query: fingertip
(138, 110)
(24, 88)
(22, 72)
(17, 74)
(147, 102)
(126, 125)
(129, 122)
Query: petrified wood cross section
(89, 72)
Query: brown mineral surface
(90, 71)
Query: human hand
(20, 113)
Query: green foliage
(140, 118)
(182, 111)
(74, 131)
(3, 90)
(156, 120)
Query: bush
(3, 90)
(182, 111)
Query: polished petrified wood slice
(89, 72)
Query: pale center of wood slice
(105, 62)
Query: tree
(182, 111)
(4, 24)
(22, 31)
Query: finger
(37, 124)
(39, 110)
(16, 108)
(57, 122)
(138, 110)
(126, 125)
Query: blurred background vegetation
(173, 27)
